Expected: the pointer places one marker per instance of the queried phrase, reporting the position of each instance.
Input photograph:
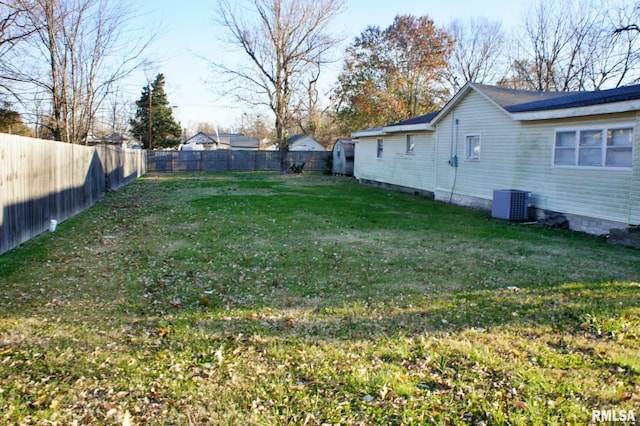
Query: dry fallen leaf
(204, 300)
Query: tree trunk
(283, 149)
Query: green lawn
(308, 299)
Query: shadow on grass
(597, 310)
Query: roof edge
(408, 128)
(600, 109)
(368, 133)
(458, 96)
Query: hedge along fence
(226, 160)
(42, 180)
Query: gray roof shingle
(528, 101)
(423, 119)
(521, 101)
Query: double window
(594, 147)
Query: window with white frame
(472, 147)
(411, 144)
(619, 150)
(380, 148)
(594, 147)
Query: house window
(380, 148)
(590, 151)
(411, 144)
(619, 148)
(472, 150)
(565, 154)
(600, 147)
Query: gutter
(368, 133)
(409, 128)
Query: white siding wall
(495, 169)
(397, 167)
(514, 155)
(634, 208)
(592, 192)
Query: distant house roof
(201, 138)
(114, 138)
(233, 140)
(302, 142)
(240, 141)
(295, 138)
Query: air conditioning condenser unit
(510, 204)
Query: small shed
(343, 151)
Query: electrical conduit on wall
(453, 157)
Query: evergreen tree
(11, 122)
(163, 131)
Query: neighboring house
(213, 141)
(577, 153)
(240, 142)
(343, 157)
(114, 138)
(204, 141)
(304, 143)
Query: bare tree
(12, 31)
(78, 52)
(478, 54)
(572, 45)
(112, 119)
(286, 42)
(256, 126)
(626, 37)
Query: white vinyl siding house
(385, 160)
(411, 144)
(634, 190)
(472, 148)
(577, 153)
(475, 180)
(599, 146)
(594, 191)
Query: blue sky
(187, 33)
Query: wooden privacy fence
(226, 160)
(43, 180)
